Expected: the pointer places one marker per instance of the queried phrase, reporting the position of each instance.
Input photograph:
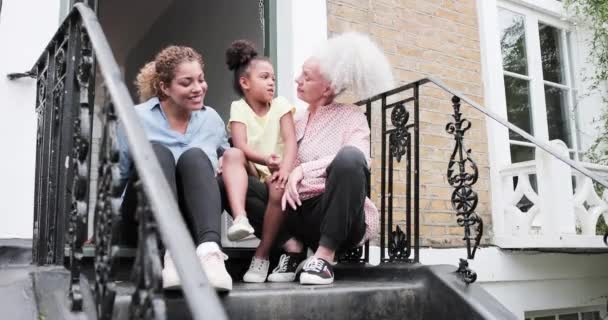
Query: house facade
(523, 60)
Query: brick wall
(421, 38)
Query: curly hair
(239, 57)
(162, 69)
(352, 62)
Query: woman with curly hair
(185, 135)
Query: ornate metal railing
(66, 85)
(399, 141)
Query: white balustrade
(542, 208)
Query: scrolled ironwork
(80, 165)
(107, 216)
(352, 255)
(147, 302)
(398, 248)
(399, 137)
(465, 273)
(462, 174)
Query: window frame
(568, 38)
(533, 315)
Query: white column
(494, 99)
(26, 28)
(301, 27)
(555, 192)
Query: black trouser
(192, 181)
(334, 219)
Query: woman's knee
(349, 158)
(233, 155)
(194, 158)
(163, 154)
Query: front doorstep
(15, 252)
(557, 243)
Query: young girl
(264, 142)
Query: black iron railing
(65, 77)
(399, 141)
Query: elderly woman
(325, 198)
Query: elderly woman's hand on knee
(291, 196)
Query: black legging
(334, 219)
(192, 180)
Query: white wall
(26, 26)
(301, 26)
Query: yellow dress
(263, 133)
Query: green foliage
(593, 14)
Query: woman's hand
(291, 196)
(273, 162)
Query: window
(538, 82)
(590, 313)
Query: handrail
(201, 298)
(539, 143)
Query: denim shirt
(206, 131)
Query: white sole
(290, 278)
(305, 278)
(238, 234)
(254, 281)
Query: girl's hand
(291, 196)
(281, 177)
(273, 162)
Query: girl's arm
(288, 133)
(239, 140)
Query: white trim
(522, 143)
(516, 75)
(494, 99)
(301, 26)
(557, 85)
(551, 9)
(555, 312)
(558, 241)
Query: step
(392, 291)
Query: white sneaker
(212, 260)
(258, 270)
(240, 229)
(169, 273)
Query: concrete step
(399, 291)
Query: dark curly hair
(162, 69)
(239, 57)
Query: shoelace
(256, 264)
(283, 262)
(314, 264)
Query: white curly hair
(352, 62)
